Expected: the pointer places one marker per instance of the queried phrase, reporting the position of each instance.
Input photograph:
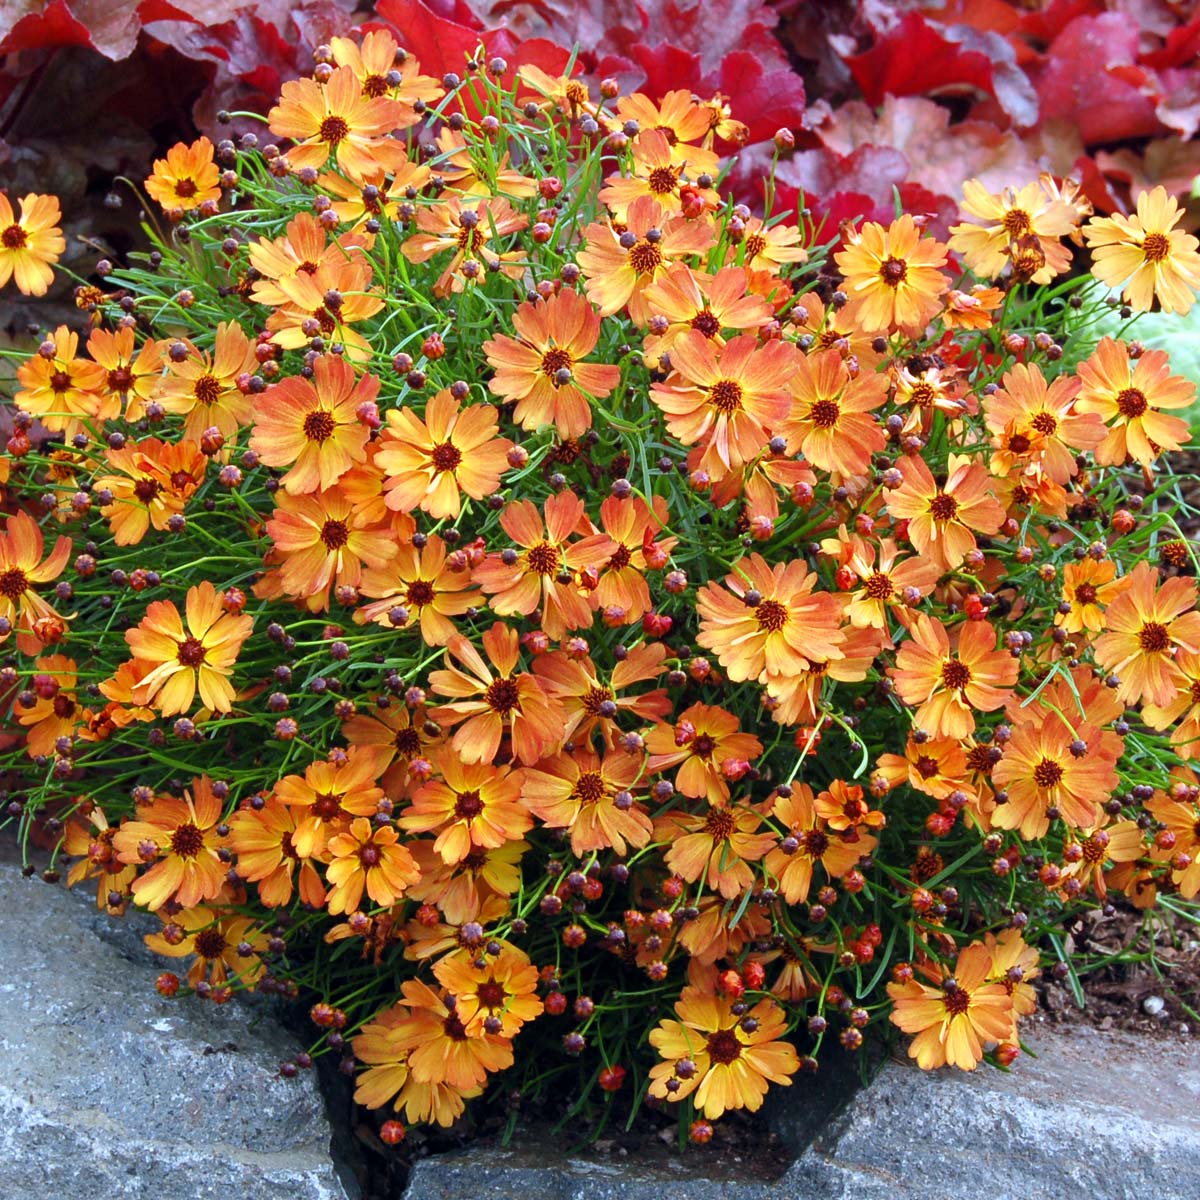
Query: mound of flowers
(580, 636)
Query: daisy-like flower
(892, 276)
(381, 71)
(632, 524)
(152, 480)
(726, 399)
(401, 734)
(708, 746)
(31, 244)
(954, 1019)
(1183, 712)
(1180, 816)
(431, 461)
(330, 794)
(678, 117)
(304, 248)
(544, 372)
(768, 247)
(885, 582)
(951, 685)
(1127, 393)
(262, 839)
(218, 940)
(132, 374)
(1147, 254)
(467, 232)
(1146, 627)
(658, 172)
(767, 619)
(21, 570)
(592, 797)
(716, 847)
(497, 996)
(489, 705)
(337, 120)
(182, 656)
(54, 713)
(308, 310)
(1088, 588)
(971, 310)
(830, 419)
(469, 174)
(62, 390)
(464, 889)
(377, 198)
(719, 1058)
(520, 581)
(1089, 854)
(935, 766)
(942, 521)
(178, 835)
(203, 387)
(88, 837)
(368, 857)
(187, 178)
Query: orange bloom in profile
(717, 847)
(954, 1019)
(496, 997)
(336, 119)
(467, 231)
(544, 372)
(54, 713)
(219, 941)
(942, 521)
(203, 387)
(21, 568)
(183, 656)
(520, 581)
(935, 766)
(430, 461)
(1126, 393)
(313, 427)
(154, 482)
(489, 705)
(368, 857)
(179, 836)
(892, 276)
(32, 244)
(726, 399)
(829, 421)
(1089, 587)
(709, 748)
(63, 391)
(1147, 254)
(89, 837)
(729, 1061)
(186, 179)
(592, 797)
(1147, 626)
(767, 620)
(972, 310)
(132, 376)
(951, 686)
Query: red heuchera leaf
(110, 27)
(763, 100)
(440, 45)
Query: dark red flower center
(319, 425)
(943, 507)
(502, 696)
(13, 583)
(334, 129)
(1154, 638)
(724, 1047)
(14, 238)
(1047, 773)
(955, 674)
(187, 841)
(446, 457)
(771, 615)
(1156, 247)
(207, 389)
(334, 534)
(191, 652)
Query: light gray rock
(108, 1090)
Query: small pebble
(1153, 1005)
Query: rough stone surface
(1094, 1114)
(107, 1090)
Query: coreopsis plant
(568, 629)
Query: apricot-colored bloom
(464, 890)
(677, 116)
(953, 1020)
(1183, 711)
(368, 857)
(154, 482)
(219, 941)
(467, 231)
(1088, 587)
(592, 797)
(786, 628)
(330, 794)
(1180, 816)
(377, 198)
(971, 310)
(183, 656)
(941, 519)
(657, 171)
(204, 387)
(304, 248)
(469, 174)
(54, 713)
(892, 276)
(716, 847)
(767, 247)
(187, 178)
(32, 244)
(63, 391)
(179, 836)
(886, 583)
(306, 313)
(21, 568)
(1090, 853)
(622, 592)
(1147, 254)
(496, 996)
(1147, 626)
(1127, 394)
(508, 701)
(262, 839)
(829, 421)
(726, 1060)
(935, 766)
(89, 837)
(374, 63)
(544, 372)
(132, 376)
(707, 745)
(313, 428)
(951, 686)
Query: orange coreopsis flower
(954, 1019)
(767, 247)
(497, 996)
(32, 244)
(1126, 393)
(374, 63)
(89, 837)
(1050, 765)
(313, 428)
(544, 372)
(1184, 709)
(132, 376)
(950, 686)
(376, 198)
(429, 461)
(1147, 626)
(182, 656)
(262, 839)
(219, 941)
(620, 264)
(21, 569)
(632, 525)
(467, 232)
(592, 797)
(187, 178)
(307, 313)
(489, 705)
(1180, 816)
(303, 249)
(330, 794)
(401, 734)
(707, 745)
(678, 117)
(716, 847)
(178, 835)
(830, 420)
(1091, 853)
(658, 172)
(892, 276)
(368, 857)
(154, 481)
(726, 399)
(935, 766)
(203, 388)
(767, 619)
(1089, 587)
(971, 310)
(1147, 254)
(62, 390)
(886, 583)
(464, 890)
(941, 519)
(54, 712)
(337, 119)
(459, 166)
(471, 805)
(520, 581)
(728, 1067)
